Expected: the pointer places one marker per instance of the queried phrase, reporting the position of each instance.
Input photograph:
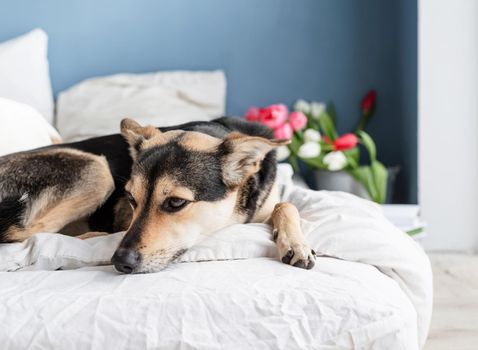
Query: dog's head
(183, 184)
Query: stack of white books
(406, 217)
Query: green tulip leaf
(363, 174)
(353, 157)
(369, 144)
(295, 144)
(374, 179)
(293, 160)
(332, 113)
(380, 174)
(327, 126)
(314, 162)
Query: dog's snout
(125, 260)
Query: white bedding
(24, 72)
(376, 293)
(95, 107)
(23, 128)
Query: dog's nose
(125, 260)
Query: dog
(166, 187)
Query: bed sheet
(230, 291)
(240, 304)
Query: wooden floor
(455, 314)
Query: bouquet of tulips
(315, 141)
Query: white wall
(448, 122)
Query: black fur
(12, 210)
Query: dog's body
(166, 186)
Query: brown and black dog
(168, 187)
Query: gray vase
(338, 181)
(342, 181)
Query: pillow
(24, 72)
(96, 106)
(23, 128)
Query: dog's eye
(131, 200)
(173, 204)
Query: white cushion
(24, 72)
(23, 128)
(96, 106)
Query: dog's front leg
(287, 233)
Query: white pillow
(23, 128)
(96, 106)
(24, 75)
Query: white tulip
(302, 106)
(311, 135)
(317, 108)
(335, 160)
(309, 150)
(282, 153)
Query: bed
(370, 289)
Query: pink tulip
(273, 116)
(297, 121)
(252, 114)
(283, 132)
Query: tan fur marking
(54, 218)
(166, 187)
(92, 234)
(133, 128)
(237, 136)
(123, 215)
(196, 141)
(137, 186)
(161, 139)
(56, 140)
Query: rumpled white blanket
(375, 294)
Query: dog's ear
(136, 134)
(244, 155)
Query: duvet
(370, 289)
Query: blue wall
(271, 50)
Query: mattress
(253, 303)
(370, 289)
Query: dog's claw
(300, 263)
(306, 262)
(286, 259)
(311, 262)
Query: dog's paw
(299, 255)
